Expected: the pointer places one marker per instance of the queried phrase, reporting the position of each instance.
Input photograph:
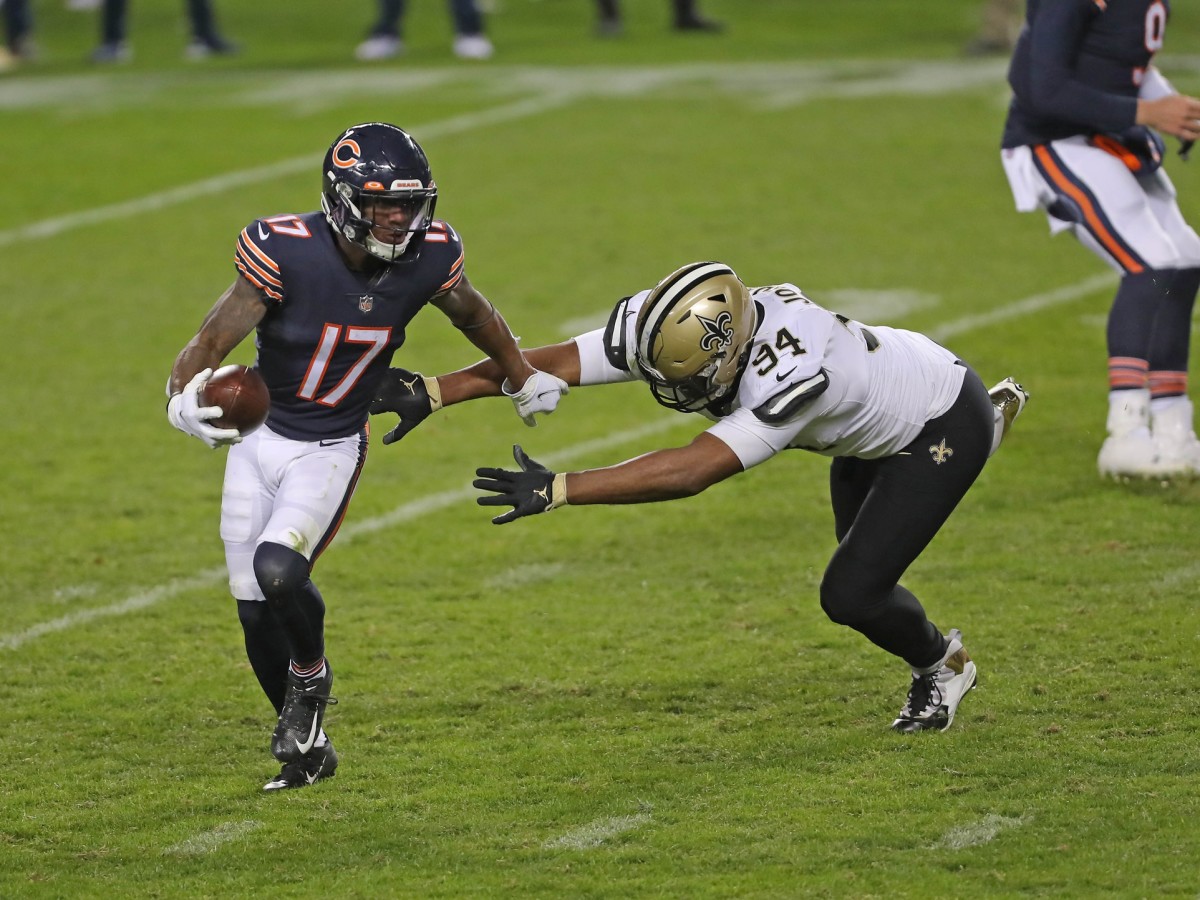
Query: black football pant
(885, 513)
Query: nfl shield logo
(366, 303)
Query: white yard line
(48, 228)
(593, 834)
(208, 841)
(973, 834)
(1029, 305)
(147, 598)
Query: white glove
(539, 394)
(185, 413)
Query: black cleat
(317, 764)
(303, 711)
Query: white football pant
(293, 493)
(1132, 222)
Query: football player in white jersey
(907, 424)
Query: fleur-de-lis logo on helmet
(718, 333)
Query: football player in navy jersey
(907, 424)
(1080, 143)
(330, 294)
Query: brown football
(242, 395)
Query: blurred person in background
(908, 427)
(18, 33)
(685, 18)
(999, 24)
(1080, 143)
(385, 40)
(205, 40)
(328, 295)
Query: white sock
(1161, 404)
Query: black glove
(535, 489)
(411, 395)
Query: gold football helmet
(694, 334)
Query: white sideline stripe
(208, 841)
(592, 835)
(975, 833)
(48, 228)
(404, 513)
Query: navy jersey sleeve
(444, 249)
(256, 264)
(1047, 70)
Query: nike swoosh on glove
(532, 490)
(539, 394)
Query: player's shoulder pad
(783, 405)
(615, 340)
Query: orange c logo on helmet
(346, 145)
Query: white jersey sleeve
(606, 355)
(594, 365)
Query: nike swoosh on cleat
(313, 777)
(312, 738)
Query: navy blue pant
(466, 15)
(113, 21)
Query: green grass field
(611, 702)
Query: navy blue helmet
(377, 191)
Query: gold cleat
(1009, 398)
